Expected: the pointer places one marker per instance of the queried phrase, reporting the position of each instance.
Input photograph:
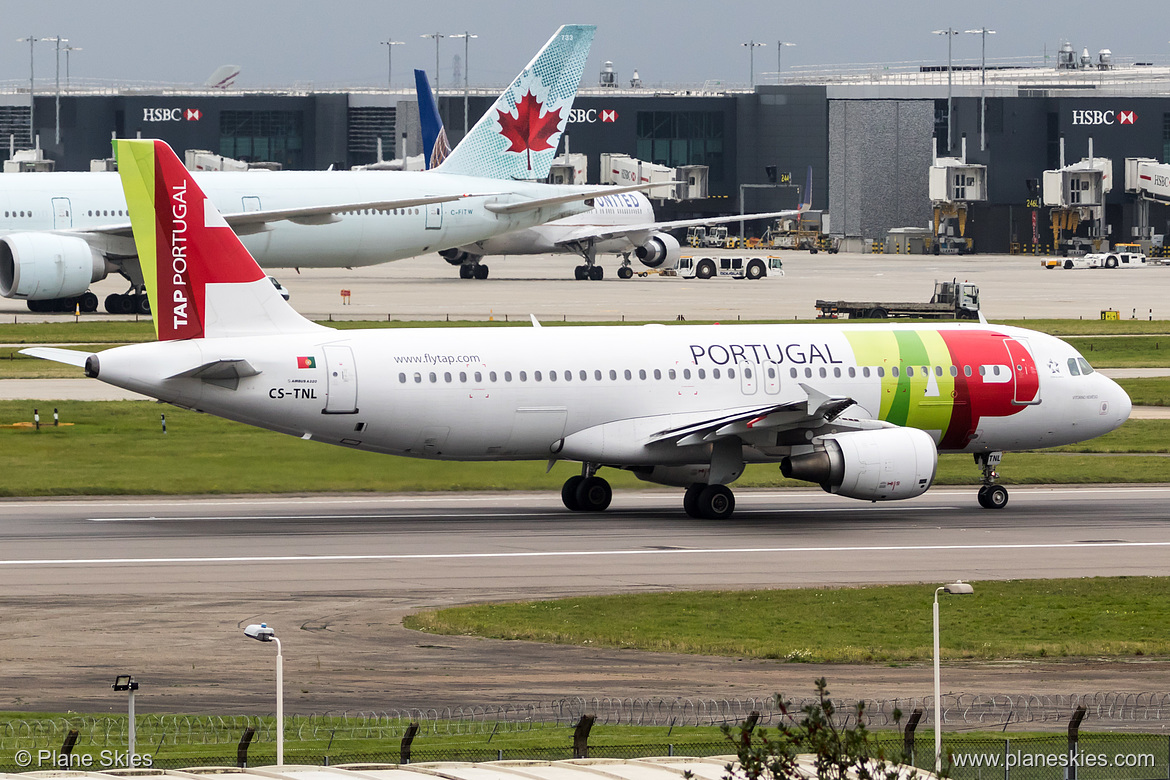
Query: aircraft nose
(1118, 404)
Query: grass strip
(1113, 617)
(118, 447)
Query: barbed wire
(1104, 710)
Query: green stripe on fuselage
(923, 400)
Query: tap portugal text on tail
(861, 410)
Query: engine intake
(881, 465)
(659, 248)
(43, 266)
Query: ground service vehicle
(1122, 256)
(735, 267)
(951, 300)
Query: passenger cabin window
(523, 376)
(507, 376)
(402, 379)
(447, 376)
(612, 375)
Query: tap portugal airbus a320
(862, 410)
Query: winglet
(200, 279)
(518, 136)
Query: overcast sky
(670, 42)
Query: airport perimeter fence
(466, 733)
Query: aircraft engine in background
(455, 256)
(45, 266)
(878, 465)
(659, 248)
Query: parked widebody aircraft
(59, 232)
(622, 224)
(862, 410)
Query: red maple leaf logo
(528, 131)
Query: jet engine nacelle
(454, 256)
(43, 266)
(879, 465)
(658, 249)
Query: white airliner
(861, 410)
(59, 232)
(617, 224)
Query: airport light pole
(466, 36)
(262, 633)
(958, 588)
(32, 103)
(438, 37)
(780, 50)
(950, 33)
(390, 44)
(125, 682)
(751, 47)
(68, 49)
(983, 32)
(59, 40)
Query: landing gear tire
(716, 502)
(691, 500)
(119, 304)
(593, 495)
(466, 272)
(993, 496)
(581, 273)
(141, 304)
(596, 273)
(481, 272)
(88, 302)
(625, 272)
(569, 492)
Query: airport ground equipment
(1076, 194)
(953, 185)
(808, 231)
(690, 267)
(1122, 256)
(951, 300)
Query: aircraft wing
(68, 356)
(556, 200)
(304, 215)
(812, 412)
(639, 234)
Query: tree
(839, 750)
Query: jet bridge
(1149, 181)
(1076, 194)
(954, 184)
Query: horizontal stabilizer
(68, 356)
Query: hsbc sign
(1087, 117)
(592, 115)
(171, 114)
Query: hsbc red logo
(591, 115)
(171, 115)
(1086, 117)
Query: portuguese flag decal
(306, 362)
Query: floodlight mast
(262, 633)
(958, 588)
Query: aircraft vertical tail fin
(806, 196)
(201, 280)
(436, 148)
(518, 137)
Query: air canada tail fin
(436, 148)
(517, 138)
(201, 280)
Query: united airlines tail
(201, 280)
(436, 148)
(518, 137)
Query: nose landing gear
(586, 492)
(991, 495)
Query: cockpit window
(1085, 367)
(1073, 369)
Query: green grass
(1102, 617)
(117, 447)
(1123, 351)
(1147, 391)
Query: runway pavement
(163, 587)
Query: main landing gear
(133, 302)
(587, 250)
(709, 502)
(473, 270)
(991, 495)
(85, 303)
(586, 492)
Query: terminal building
(870, 138)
